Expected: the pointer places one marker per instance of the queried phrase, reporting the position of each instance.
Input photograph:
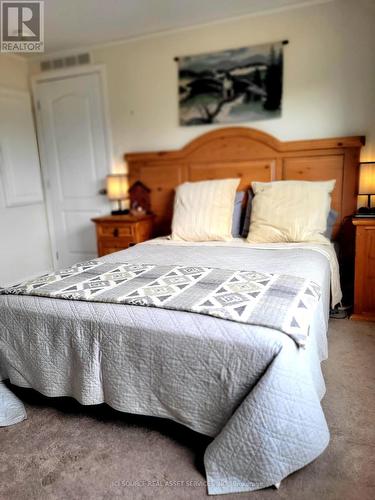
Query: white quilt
(251, 388)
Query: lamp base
(365, 212)
(120, 212)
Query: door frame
(61, 74)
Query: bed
(249, 387)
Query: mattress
(250, 388)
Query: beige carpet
(66, 451)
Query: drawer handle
(115, 232)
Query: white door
(19, 161)
(75, 157)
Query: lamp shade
(367, 178)
(117, 187)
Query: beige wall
(24, 241)
(329, 82)
(13, 72)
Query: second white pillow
(203, 210)
(290, 211)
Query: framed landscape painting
(231, 86)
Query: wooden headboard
(253, 156)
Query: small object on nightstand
(139, 198)
(364, 283)
(138, 210)
(118, 232)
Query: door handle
(115, 232)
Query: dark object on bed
(246, 222)
(237, 214)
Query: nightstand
(364, 283)
(118, 232)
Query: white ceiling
(78, 23)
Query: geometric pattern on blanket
(167, 287)
(26, 287)
(86, 290)
(83, 290)
(249, 296)
(281, 302)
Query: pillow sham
(331, 219)
(290, 211)
(203, 211)
(237, 214)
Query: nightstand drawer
(116, 242)
(115, 230)
(110, 245)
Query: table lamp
(367, 187)
(117, 190)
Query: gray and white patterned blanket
(279, 301)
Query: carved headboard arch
(251, 155)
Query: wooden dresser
(364, 283)
(118, 232)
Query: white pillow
(203, 211)
(290, 211)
